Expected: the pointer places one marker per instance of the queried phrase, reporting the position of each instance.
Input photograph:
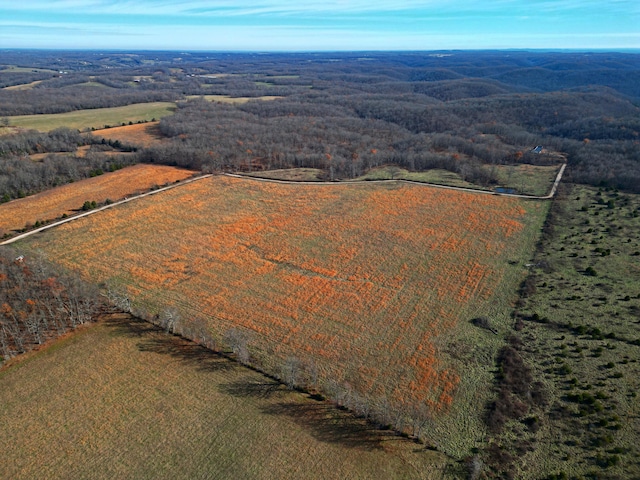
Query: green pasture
(581, 327)
(94, 118)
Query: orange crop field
(140, 134)
(68, 198)
(373, 285)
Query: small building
(537, 149)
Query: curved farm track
(270, 180)
(426, 184)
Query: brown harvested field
(66, 199)
(140, 134)
(121, 399)
(370, 285)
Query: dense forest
(346, 113)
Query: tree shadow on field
(328, 424)
(253, 388)
(154, 339)
(321, 419)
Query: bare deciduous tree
(291, 371)
(170, 320)
(118, 299)
(474, 467)
(419, 417)
(238, 341)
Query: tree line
(408, 418)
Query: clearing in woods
(368, 286)
(69, 198)
(122, 399)
(23, 86)
(525, 179)
(140, 134)
(95, 118)
(233, 100)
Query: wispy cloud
(314, 7)
(352, 24)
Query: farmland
(371, 286)
(233, 100)
(140, 134)
(121, 399)
(290, 174)
(96, 118)
(24, 86)
(69, 198)
(533, 180)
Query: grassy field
(236, 100)
(437, 176)
(370, 286)
(139, 134)
(16, 69)
(291, 174)
(581, 332)
(94, 118)
(90, 84)
(24, 86)
(525, 179)
(66, 199)
(121, 399)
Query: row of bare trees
(414, 419)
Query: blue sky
(303, 25)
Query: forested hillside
(346, 113)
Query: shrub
(590, 271)
(606, 461)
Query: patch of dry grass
(23, 86)
(140, 134)
(236, 100)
